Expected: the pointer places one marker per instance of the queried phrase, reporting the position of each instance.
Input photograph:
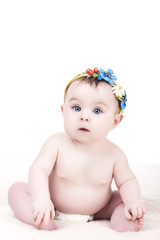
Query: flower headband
(107, 76)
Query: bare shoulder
(49, 152)
(55, 139)
(51, 145)
(115, 151)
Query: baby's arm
(129, 188)
(42, 207)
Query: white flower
(118, 91)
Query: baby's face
(89, 112)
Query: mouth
(83, 129)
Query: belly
(78, 198)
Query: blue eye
(97, 111)
(77, 108)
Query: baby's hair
(90, 81)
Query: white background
(44, 44)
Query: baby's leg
(106, 212)
(20, 202)
(114, 211)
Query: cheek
(103, 126)
(69, 121)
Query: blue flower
(123, 103)
(107, 76)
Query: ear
(62, 107)
(118, 118)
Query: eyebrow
(96, 103)
(73, 99)
(102, 103)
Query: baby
(71, 177)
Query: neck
(89, 145)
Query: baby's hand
(135, 210)
(42, 210)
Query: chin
(86, 140)
(81, 139)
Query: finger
(140, 220)
(139, 212)
(32, 209)
(39, 218)
(127, 213)
(35, 213)
(144, 208)
(134, 213)
(52, 215)
(46, 218)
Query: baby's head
(93, 105)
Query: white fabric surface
(149, 179)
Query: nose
(84, 117)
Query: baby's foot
(120, 223)
(126, 225)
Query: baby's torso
(80, 181)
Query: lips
(84, 129)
